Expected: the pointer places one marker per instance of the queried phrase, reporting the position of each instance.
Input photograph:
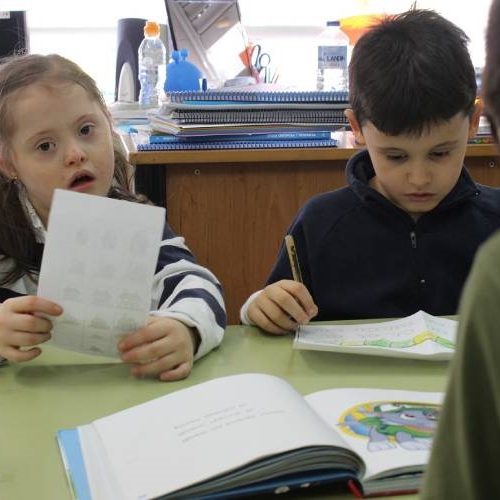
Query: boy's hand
(164, 348)
(280, 307)
(21, 326)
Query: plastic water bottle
(152, 54)
(332, 58)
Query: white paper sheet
(98, 264)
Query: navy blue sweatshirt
(361, 256)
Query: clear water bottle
(152, 58)
(332, 58)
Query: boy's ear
(355, 126)
(474, 119)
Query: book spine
(252, 96)
(277, 136)
(162, 139)
(185, 145)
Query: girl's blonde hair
(17, 239)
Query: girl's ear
(7, 168)
(474, 119)
(355, 126)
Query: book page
(417, 336)
(208, 429)
(388, 428)
(98, 264)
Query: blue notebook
(266, 136)
(255, 144)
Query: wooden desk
(61, 389)
(233, 207)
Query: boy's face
(62, 139)
(417, 172)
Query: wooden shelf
(346, 149)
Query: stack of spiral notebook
(245, 119)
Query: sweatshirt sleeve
(188, 292)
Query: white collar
(30, 211)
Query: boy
(464, 458)
(402, 235)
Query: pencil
(293, 257)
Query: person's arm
(463, 463)
(187, 319)
(285, 302)
(188, 292)
(6, 293)
(245, 320)
(23, 326)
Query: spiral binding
(256, 96)
(260, 116)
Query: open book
(420, 335)
(250, 434)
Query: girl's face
(62, 139)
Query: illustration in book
(387, 424)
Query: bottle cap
(151, 29)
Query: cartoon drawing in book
(387, 424)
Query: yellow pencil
(293, 257)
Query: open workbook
(253, 433)
(420, 335)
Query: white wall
(287, 29)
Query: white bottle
(152, 59)
(332, 59)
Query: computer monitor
(14, 39)
(213, 34)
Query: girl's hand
(164, 348)
(21, 326)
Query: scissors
(260, 62)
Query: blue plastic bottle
(182, 74)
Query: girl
(56, 132)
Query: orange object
(355, 26)
(151, 29)
(245, 56)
